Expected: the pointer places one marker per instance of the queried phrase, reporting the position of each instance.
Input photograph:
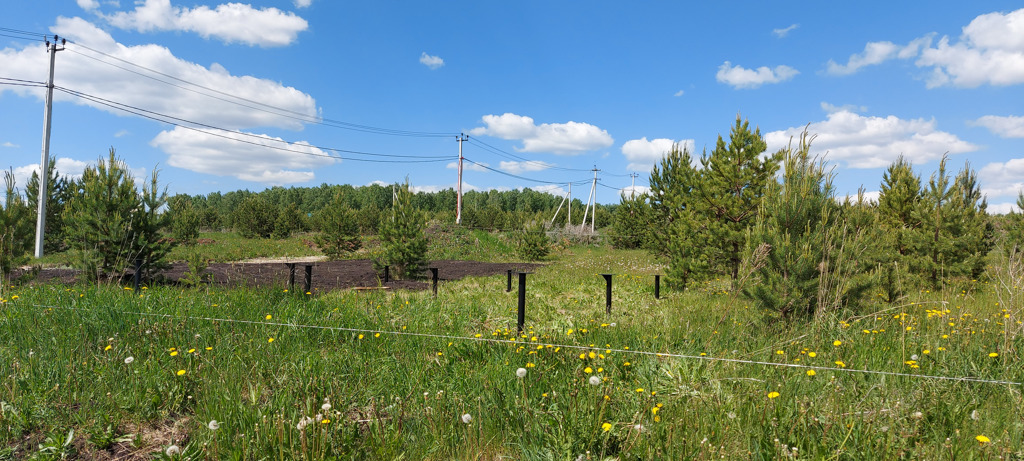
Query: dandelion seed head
(213, 425)
(172, 450)
(521, 372)
(594, 381)
(128, 360)
(467, 418)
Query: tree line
(771, 223)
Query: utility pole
(568, 219)
(594, 206)
(458, 199)
(44, 194)
(632, 187)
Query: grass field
(248, 374)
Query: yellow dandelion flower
(109, 347)
(588, 370)
(773, 394)
(993, 354)
(982, 439)
(269, 316)
(811, 372)
(626, 364)
(181, 372)
(812, 354)
(606, 427)
(191, 350)
(173, 353)
(209, 348)
(837, 343)
(376, 335)
(326, 421)
(639, 389)
(359, 337)
(840, 364)
(591, 355)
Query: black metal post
(309, 278)
(291, 276)
(387, 274)
(509, 287)
(521, 314)
(138, 274)
(608, 293)
(433, 280)
(657, 286)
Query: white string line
(567, 346)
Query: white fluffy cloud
(830, 108)
(1002, 179)
(433, 62)
(990, 51)
(89, 76)
(1006, 127)
(643, 154)
(740, 77)
(88, 5)
(65, 167)
(524, 167)
(234, 155)
(229, 22)
(303, 3)
(468, 166)
(874, 142)
(785, 30)
(569, 138)
(634, 190)
(876, 53)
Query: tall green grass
(404, 394)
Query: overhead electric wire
(22, 34)
(523, 177)
(255, 105)
(163, 118)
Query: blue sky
(358, 92)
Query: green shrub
(533, 242)
(338, 230)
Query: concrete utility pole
(458, 200)
(632, 187)
(594, 205)
(44, 194)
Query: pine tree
(631, 226)
(797, 226)
(899, 196)
(954, 235)
(533, 241)
(255, 217)
(15, 229)
(185, 219)
(678, 228)
(402, 236)
(58, 192)
(1015, 226)
(734, 179)
(339, 229)
(99, 218)
(151, 247)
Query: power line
(252, 104)
(163, 118)
(525, 178)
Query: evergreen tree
(1015, 226)
(953, 236)
(631, 226)
(733, 181)
(289, 220)
(402, 236)
(533, 241)
(795, 234)
(338, 229)
(15, 229)
(185, 219)
(899, 196)
(99, 217)
(151, 247)
(255, 217)
(58, 192)
(679, 230)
